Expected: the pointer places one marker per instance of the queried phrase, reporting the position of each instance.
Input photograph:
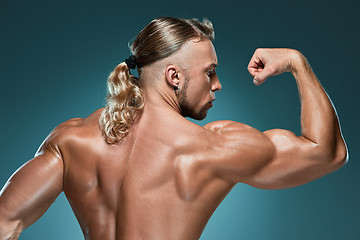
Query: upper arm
(33, 187)
(297, 160)
(237, 151)
(274, 159)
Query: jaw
(197, 114)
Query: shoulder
(238, 150)
(227, 125)
(71, 131)
(233, 129)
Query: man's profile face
(201, 81)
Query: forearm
(319, 121)
(28, 194)
(10, 225)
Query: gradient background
(56, 56)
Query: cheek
(199, 91)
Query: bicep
(295, 162)
(32, 188)
(275, 159)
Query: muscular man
(138, 169)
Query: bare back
(167, 176)
(146, 187)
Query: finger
(261, 76)
(258, 61)
(254, 71)
(257, 82)
(255, 65)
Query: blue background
(55, 57)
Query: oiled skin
(124, 191)
(165, 179)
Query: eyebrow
(213, 65)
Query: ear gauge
(177, 89)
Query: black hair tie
(131, 62)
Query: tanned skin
(166, 178)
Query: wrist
(297, 61)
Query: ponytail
(161, 38)
(124, 103)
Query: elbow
(341, 156)
(334, 157)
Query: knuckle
(271, 69)
(258, 50)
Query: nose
(216, 85)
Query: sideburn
(186, 110)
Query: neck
(160, 97)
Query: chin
(201, 115)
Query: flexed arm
(278, 158)
(31, 190)
(320, 149)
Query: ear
(172, 75)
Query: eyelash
(211, 72)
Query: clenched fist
(268, 62)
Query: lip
(211, 102)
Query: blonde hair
(159, 39)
